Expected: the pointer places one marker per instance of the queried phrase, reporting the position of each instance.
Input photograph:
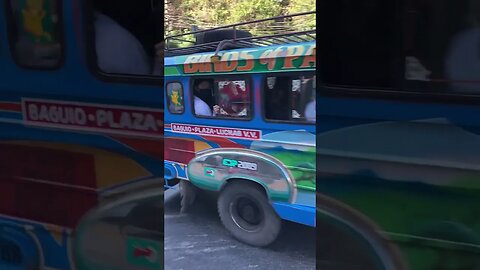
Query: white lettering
(67, 115)
(230, 132)
(33, 112)
(43, 113)
(101, 117)
(59, 113)
(247, 165)
(111, 120)
(137, 122)
(125, 120)
(180, 128)
(150, 123)
(80, 116)
(53, 114)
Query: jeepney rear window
(288, 98)
(175, 98)
(223, 97)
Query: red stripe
(8, 106)
(152, 147)
(223, 142)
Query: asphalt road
(198, 240)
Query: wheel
(18, 250)
(188, 193)
(247, 214)
(349, 240)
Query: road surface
(198, 240)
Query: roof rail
(288, 37)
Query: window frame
(403, 95)
(405, 90)
(10, 22)
(183, 95)
(91, 56)
(248, 82)
(290, 76)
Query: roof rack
(243, 42)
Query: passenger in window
(463, 58)
(202, 88)
(277, 98)
(309, 90)
(310, 110)
(233, 100)
(118, 50)
(275, 109)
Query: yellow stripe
(200, 146)
(112, 169)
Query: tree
(182, 14)
(248, 10)
(303, 22)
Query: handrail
(244, 42)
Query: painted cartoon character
(33, 15)
(175, 98)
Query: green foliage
(248, 10)
(303, 22)
(214, 12)
(211, 13)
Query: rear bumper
(305, 215)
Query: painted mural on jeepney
(433, 183)
(277, 158)
(212, 168)
(298, 158)
(273, 59)
(46, 236)
(37, 20)
(123, 234)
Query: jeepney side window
(36, 33)
(175, 101)
(126, 39)
(443, 53)
(362, 48)
(298, 93)
(222, 98)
